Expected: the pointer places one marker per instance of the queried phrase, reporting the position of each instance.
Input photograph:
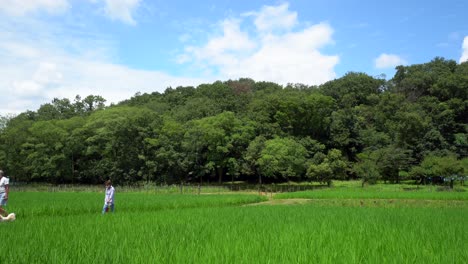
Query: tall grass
(35, 204)
(381, 192)
(260, 234)
(67, 227)
(150, 188)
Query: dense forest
(412, 126)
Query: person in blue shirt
(109, 198)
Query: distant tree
(436, 77)
(93, 102)
(367, 171)
(164, 157)
(293, 112)
(178, 96)
(115, 143)
(327, 167)
(251, 131)
(222, 139)
(345, 130)
(12, 138)
(353, 89)
(282, 158)
(252, 155)
(45, 153)
(433, 166)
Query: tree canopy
(356, 126)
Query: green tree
(433, 166)
(292, 112)
(252, 156)
(327, 167)
(282, 158)
(116, 142)
(45, 152)
(345, 130)
(221, 139)
(165, 157)
(12, 137)
(368, 171)
(353, 89)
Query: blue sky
(116, 48)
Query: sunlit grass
(33, 204)
(153, 228)
(352, 190)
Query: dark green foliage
(282, 158)
(218, 143)
(441, 78)
(354, 126)
(438, 166)
(353, 89)
(324, 168)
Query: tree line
(413, 126)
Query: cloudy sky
(116, 48)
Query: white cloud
(271, 18)
(66, 76)
(388, 61)
(222, 50)
(37, 65)
(277, 54)
(121, 10)
(23, 7)
(41, 61)
(26, 88)
(464, 56)
(114, 82)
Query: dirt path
(282, 202)
(388, 203)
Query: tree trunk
(220, 175)
(72, 169)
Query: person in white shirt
(109, 198)
(4, 190)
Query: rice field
(352, 190)
(67, 227)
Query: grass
(143, 187)
(352, 190)
(67, 227)
(36, 204)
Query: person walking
(109, 198)
(4, 190)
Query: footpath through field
(386, 203)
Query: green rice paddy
(382, 191)
(337, 226)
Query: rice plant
(219, 229)
(379, 192)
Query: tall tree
(223, 139)
(353, 89)
(116, 139)
(283, 158)
(327, 167)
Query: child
(109, 199)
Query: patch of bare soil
(386, 203)
(283, 202)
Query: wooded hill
(358, 126)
